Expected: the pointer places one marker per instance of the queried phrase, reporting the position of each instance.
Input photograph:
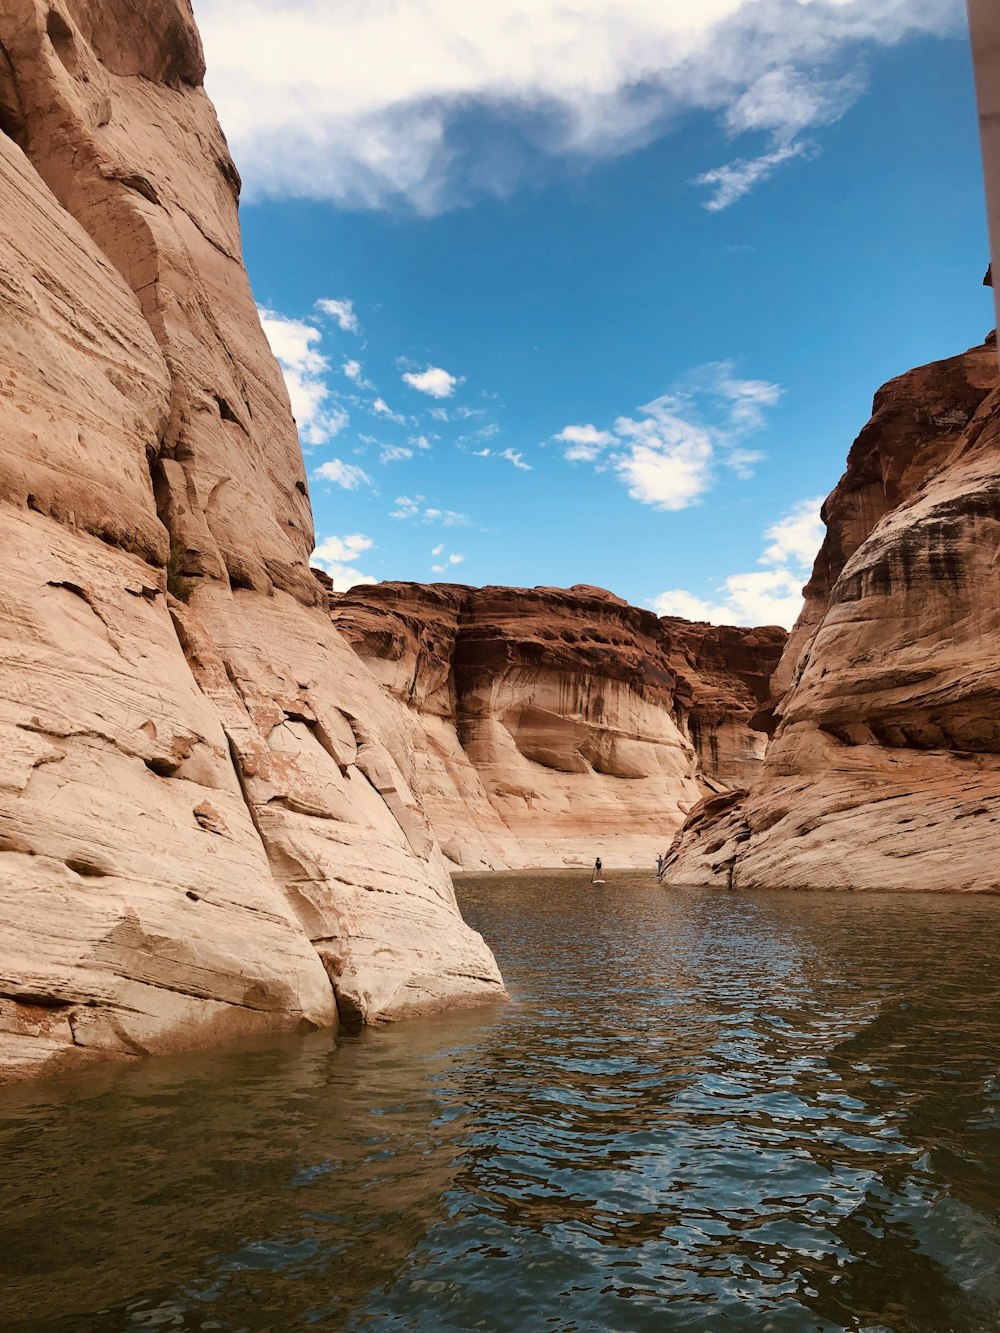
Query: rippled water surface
(699, 1112)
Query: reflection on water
(768, 1112)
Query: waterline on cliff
(775, 1110)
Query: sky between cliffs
(598, 291)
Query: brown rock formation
(206, 826)
(884, 770)
(551, 724)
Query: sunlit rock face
(206, 826)
(884, 770)
(549, 725)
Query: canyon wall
(207, 826)
(552, 725)
(884, 768)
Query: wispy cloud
(342, 312)
(354, 372)
(770, 596)
(433, 381)
(394, 453)
(667, 455)
(416, 507)
(449, 563)
(336, 555)
(296, 346)
(732, 181)
(348, 475)
(381, 408)
(566, 80)
(585, 442)
(516, 458)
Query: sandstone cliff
(549, 725)
(206, 823)
(884, 770)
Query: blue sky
(594, 292)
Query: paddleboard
(598, 881)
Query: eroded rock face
(549, 725)
(884, 770)
(206, 826)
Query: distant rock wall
(549, 725)
(206, 823)
(884, 770)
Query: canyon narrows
(230, 799)
(217, 816)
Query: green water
(701, 1111)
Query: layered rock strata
(884, 769)
(549, 725)
(206, 821)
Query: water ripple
(770, 1112)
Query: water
(701, 1111)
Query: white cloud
(765, 597)
(394, 453)
(516, 458)
(434, 381)
(334, 555)
(343, 548)
(562, 79)
(421, 441)
(340, 311)
(348, 475)
(296, 345)
(773, 597)
(352, 369)
(742, 461)
(439, 413)
(452, 560)
(732, 181)
(667, 456)
(415, 506)
(667, 465)
(382, 409)
(797, 537)
(438, 550)
(585, 442)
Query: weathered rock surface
(206, 826)
(549, 725)
(884, 770)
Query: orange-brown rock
(550, 724)
(884, 770)
(206, 826)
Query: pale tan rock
(884, 770)
(549, 725)
(199, 836)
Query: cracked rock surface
(207, 826)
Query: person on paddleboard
(597, 870)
